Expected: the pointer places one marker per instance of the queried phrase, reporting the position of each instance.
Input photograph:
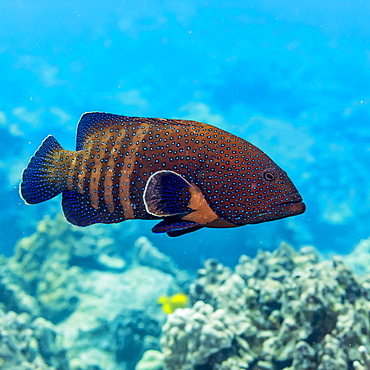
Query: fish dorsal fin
(95, 122)
(167, 194)
(92, 122)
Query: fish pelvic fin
(174, 226)
(43, 179)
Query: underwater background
(292, 77)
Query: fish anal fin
(79, 210)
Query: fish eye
(269, 176)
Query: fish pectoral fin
(174, 226)
(167, 194)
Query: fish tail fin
(42, 179)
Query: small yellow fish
(170, 304)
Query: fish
(171, 304)
(186, 174)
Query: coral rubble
(281, 310)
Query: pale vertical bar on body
(124, 187)
(108, 184)
(70, 171)
(74, 172)
(94, 185)
(126, 173)
(80, 173)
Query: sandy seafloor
(292, 78)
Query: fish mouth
(285, 209)
(294, 208)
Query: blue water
(291, 77)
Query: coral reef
(281, 310)
(117, 317)
(29, 344)
(103, 308)
(69, 300)
(51, 263)
(13, 296)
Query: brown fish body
(125, 166)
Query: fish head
(256, 190)
(272, 196)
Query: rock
(111, 263)
(146, 254)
